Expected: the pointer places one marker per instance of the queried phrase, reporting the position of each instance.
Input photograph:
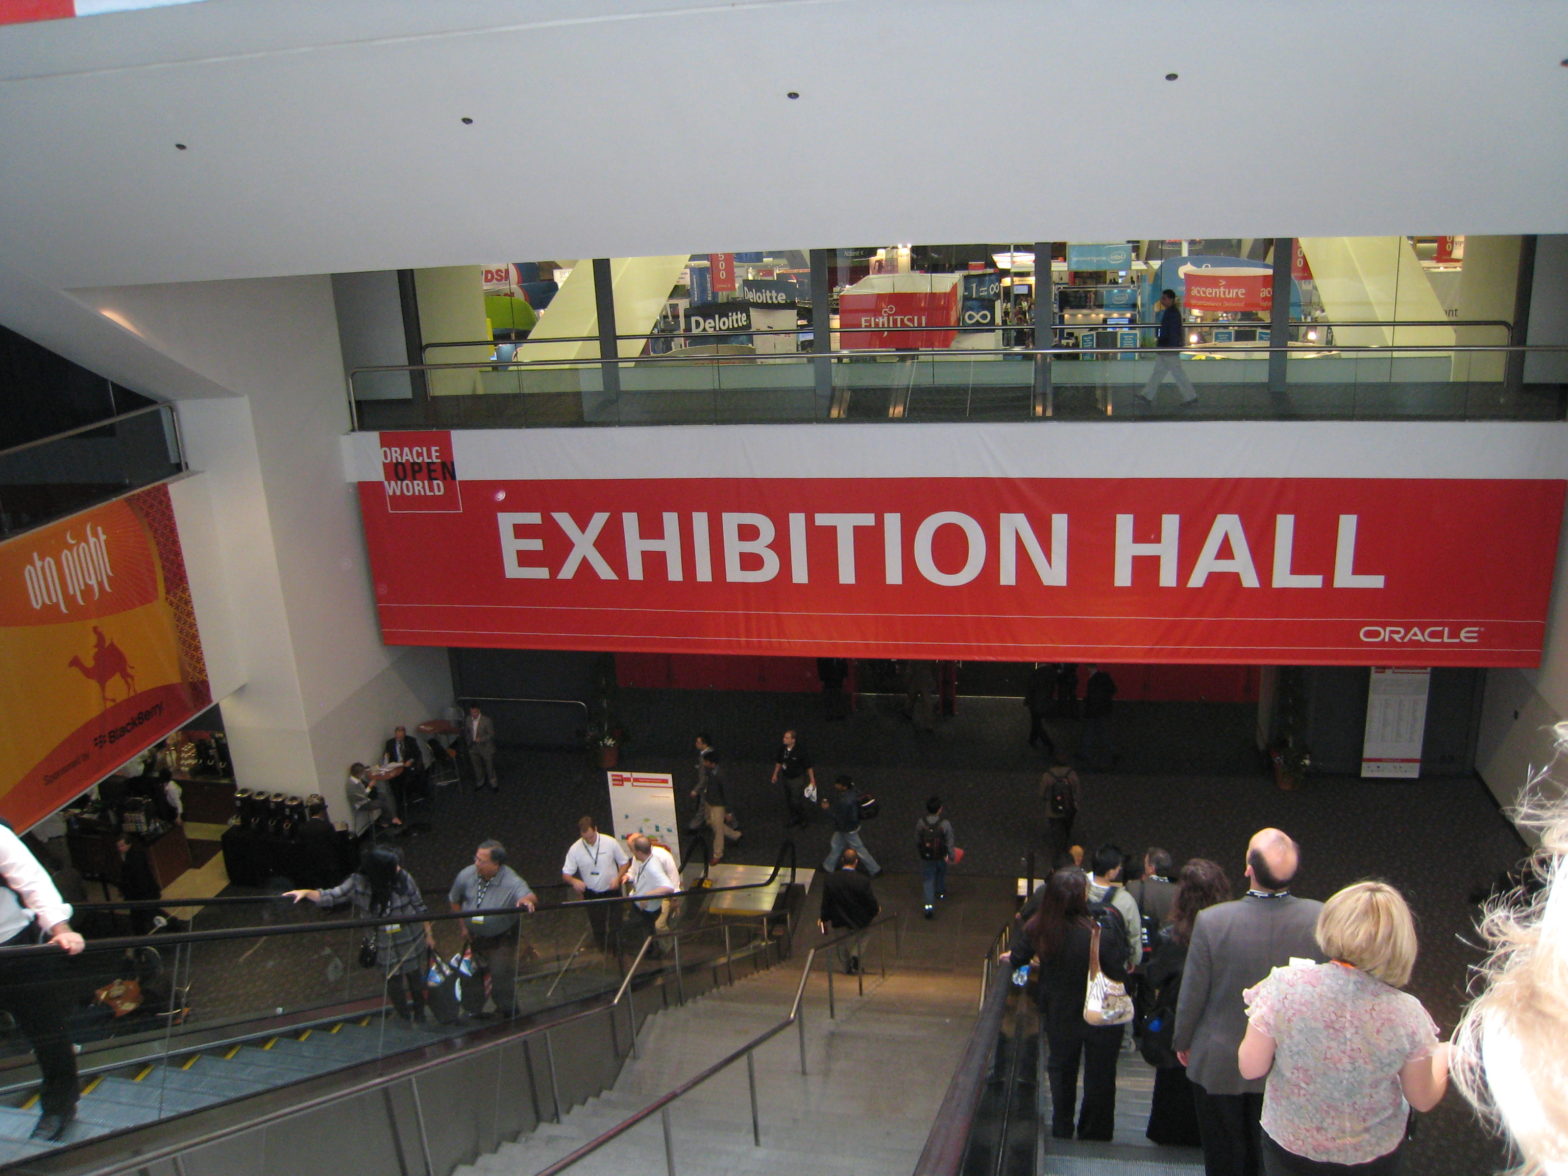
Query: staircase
(876, 1075)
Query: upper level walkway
(719, 385)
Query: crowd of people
(1282, 1038)
(1281, 1035)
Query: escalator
(256, 1026)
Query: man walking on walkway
(1167, 361)
(844, 808)
(593, 868)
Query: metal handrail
(662, 1103)
(381, 1081)
(951, 353)
(172, 939)
(1029, 326)
(943, 1154)
(103, 424)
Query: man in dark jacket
(1234, 945)
(1097, 695)
(848, 902)
(715, 801)
(844, 807)
(1167, 362)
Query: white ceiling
(327, 136)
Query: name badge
(477, 919)
(393, 928)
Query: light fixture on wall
(1018, 259)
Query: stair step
(154, 1099)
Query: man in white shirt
(650, 881)
(593, 868)
(32, 912)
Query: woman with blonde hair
(1346, 1052)
(1511, 1042)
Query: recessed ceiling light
(1170, 77)
(792, 95)
(467, 122)
(180, 147)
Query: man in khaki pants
(716, 802)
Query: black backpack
(1059, 800)
(1158, 1043)
(930, 841)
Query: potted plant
(1288, 753)
(604, 734)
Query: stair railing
(796, 1016)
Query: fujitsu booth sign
(1241, 570)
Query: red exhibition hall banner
(1350, 571)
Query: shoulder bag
(1105, 1001)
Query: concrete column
(283, 540)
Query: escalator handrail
(120, 943)
(943, 1154)
(379, 1081)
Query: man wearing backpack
(934, 845)
(1105, 887)
(844, 808)
(1061, 790)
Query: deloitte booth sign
(731, 321)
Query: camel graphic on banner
(109, 662)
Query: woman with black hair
(1059, 935)
(382, 888)
(1173, 1118)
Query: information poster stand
(1396, 723)
(644, 802)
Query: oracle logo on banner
(1205, 570)
(1228, 288)
(419, 473)
(904, 319)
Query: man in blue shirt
(1167, 363)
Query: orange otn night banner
(97, 628)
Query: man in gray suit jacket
(1235, 945)
(479, 733)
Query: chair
(442, 772)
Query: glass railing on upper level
(56, 476)
(247, 996)
(1221, 376)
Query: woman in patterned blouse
(1346, 1052)
(383, 888)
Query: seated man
(372, 802)
(402, 752)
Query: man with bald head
(1235, 945)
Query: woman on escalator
(1059, 935)
(382, 888)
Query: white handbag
(1105, 1001)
